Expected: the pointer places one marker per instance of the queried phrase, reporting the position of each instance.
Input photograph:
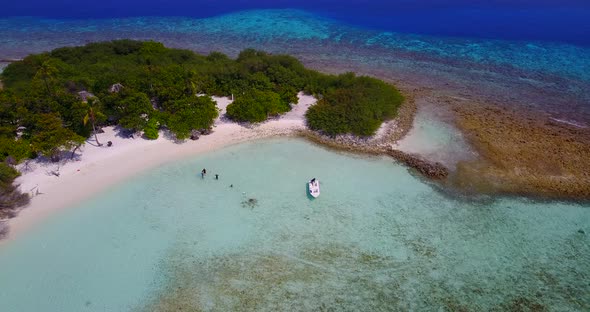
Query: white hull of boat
(314, 188)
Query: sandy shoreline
(95, 169)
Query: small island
(52, 103)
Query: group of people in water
(204, 172)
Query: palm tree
(190, 86)
(91, 116)
(46, 72)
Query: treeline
(53, 101)
(356, 105)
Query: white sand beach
(95, 168)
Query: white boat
(314, 187)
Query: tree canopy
(53, 100)
(358, 105)
(256, 106)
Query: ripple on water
(549, 76)
(378, 239)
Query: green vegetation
(141, 86)
(146, 86)
(151, 129)
(10, 197)
(356, 105)
(53, 101)
(256, 106)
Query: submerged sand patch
(344, 278)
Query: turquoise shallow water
(434, 137)
(377, 238)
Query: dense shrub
(190, 113)
(42, 112)
(160, 81)
(357, 105)
(256, 106)
(151, 129)
(7, 174)
(16, 149)
(49, 135)
(10, 197)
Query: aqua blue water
(377, 238)
(550, 77)
(288, 25)
(435, 138)
(544, 20)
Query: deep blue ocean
(566, 21)
(521, 53)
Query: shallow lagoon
(377, 238)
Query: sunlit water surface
(378, 237)
(551, 78)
